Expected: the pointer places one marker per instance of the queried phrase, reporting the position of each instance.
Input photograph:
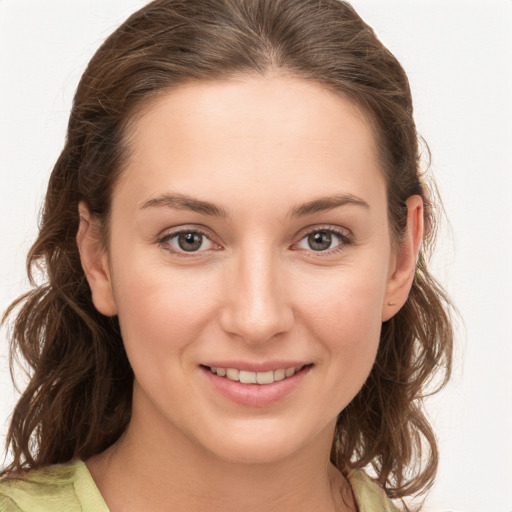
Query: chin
(256, 452)
(263, 442)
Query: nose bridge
(257, 308)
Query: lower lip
(255, 395)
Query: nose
(257, 307)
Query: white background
(458, 55)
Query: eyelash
(166, 242)
(344, 237)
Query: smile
(248, 377)
(253, 384)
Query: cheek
(344, 315)
(345, 302)
(162, 310)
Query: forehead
(280, 132)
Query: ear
(95, 262)
(404, 261)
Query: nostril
(257, 325)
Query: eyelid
(346, 236)
(164, 238)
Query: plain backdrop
(458, 55)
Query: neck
(157, 468)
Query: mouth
(250, 377)
(255, 385)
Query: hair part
(78, 400)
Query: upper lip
(266, 366)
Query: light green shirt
(70, 488)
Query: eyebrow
(324, 204)
(184, 202)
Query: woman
(238, 311)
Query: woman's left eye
(322, 240)
(188, 241)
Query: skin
(259, 149)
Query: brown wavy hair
(78, 400)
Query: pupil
(320, 241)
(190, 241)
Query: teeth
(265, 377)
(232, 374)
(289, 372)
(279, 374)
(246, 377)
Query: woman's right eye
(187, 242)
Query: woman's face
(249, 241)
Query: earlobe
(95, 262)
(404, 268)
